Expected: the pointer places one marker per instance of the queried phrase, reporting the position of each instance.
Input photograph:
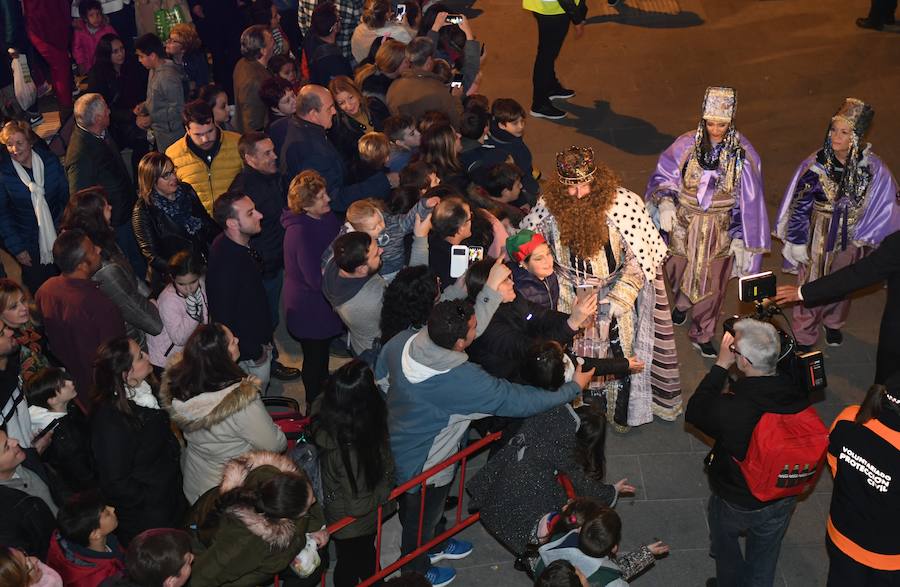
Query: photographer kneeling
(730, 417)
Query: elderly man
(418, 90)
(301, 143)
(250, 72)
(93, 158)
(206, 156)
(730, 419)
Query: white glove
(666, 209)
(795, 254)
(743, 259)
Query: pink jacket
(177, 325)
(84, 43)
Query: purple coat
(307, 312)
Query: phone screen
(453, 19)
(476, 254)
(401, 12)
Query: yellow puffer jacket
(208, 182)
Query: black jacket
(138, 465)
(69, 456)
(883, 264)
(27, 522)
(269, 194)
(516, 325)
(237, 297)
(159, 237)
(90, 161)
(729, 417)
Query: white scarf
(142, 395)
(46, 229)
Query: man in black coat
(301, 144)
(883, 264)
(261, 180)
(93, 158)
(730, 418)
(234, 283)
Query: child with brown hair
(374, 154)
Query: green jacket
(340, 500)
(245, 548)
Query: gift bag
(166, 18)
(26, 91)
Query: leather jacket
(159, 237)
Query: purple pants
(705, 313)
(807, 320)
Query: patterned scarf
(179, 210)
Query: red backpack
(786, 454)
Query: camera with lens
(806, 368)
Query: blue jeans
(764, 529)
(433, 523)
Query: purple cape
(881, 216)
(753, 218)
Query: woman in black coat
(356, 115)
(123, 84)
(137, 456)
(168, 218)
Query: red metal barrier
(461, 457)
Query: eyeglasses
(734, 350)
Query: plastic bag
(165, 18)
(307, 560)
(26, 91)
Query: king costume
(833, 214)
(602, 237)
(708, 197)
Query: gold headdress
(575, 165)
(857, 114)
(719, 104)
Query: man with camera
(730, 418)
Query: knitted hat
(522, 244)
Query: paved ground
(640, 72)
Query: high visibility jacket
(865, 503)
(548, 7)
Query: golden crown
(575, 165)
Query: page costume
(721, 228)
(626, 272)
(833, 214)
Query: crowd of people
(333, 164)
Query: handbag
(26, 91)
(165, 18)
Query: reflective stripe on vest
(548, 7)
(882, 562)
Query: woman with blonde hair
(168, 217)
(375, 79)
(355, 117)
(183, 46)
(309, 228)
(33, 194)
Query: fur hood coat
(219, 426)
(245, 548)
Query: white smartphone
(459, 260)
(401, 12)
